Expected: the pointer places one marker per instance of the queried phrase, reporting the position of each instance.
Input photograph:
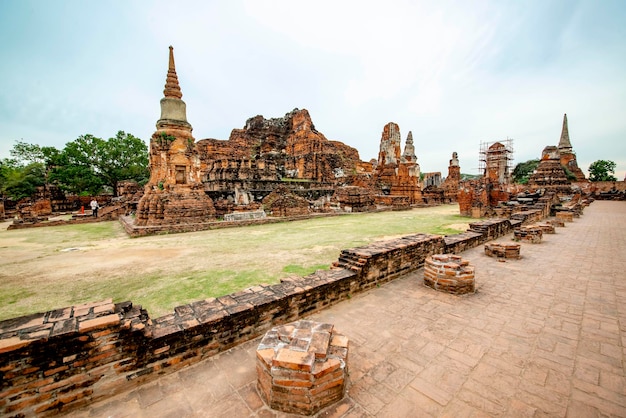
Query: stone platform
(543, 336)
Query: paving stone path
(542, 336)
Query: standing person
(94, 207)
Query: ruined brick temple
(557, 182)
(283, 166)
(174, 193)
(567, 156)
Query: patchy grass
(302, 270)
(54, 267)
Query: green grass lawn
(54, 267)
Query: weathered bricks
(300, 370)
(565, 216)
(449, 273)
(531, 234)
(120, 343)
(556, 222)
(503, 250)
(546, 228)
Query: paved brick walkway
(543, 336)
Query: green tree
(89, 164)
(26, 153)
(76, 169)
(18, 181)
(123, 157)
(602, 170)
(523, 171)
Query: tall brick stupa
(174, 194)
(397, 173)
(567, 155)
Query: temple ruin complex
(283, 166)
(174, 194)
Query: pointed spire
(172, 88)
(564, 144)
(408, 156)
(173, 109)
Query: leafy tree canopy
(91, 163)
(18, 181)
(523, 171)
(602, 170)
(86, 165)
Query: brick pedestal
(503, 250)
(449, 273)
(565, 216)
(530, 234)
(302, 367)
(556, 222)
(546, 227)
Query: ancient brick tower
(398, 174)
(174, 194)
(451, 184)
(409, 158)
(567, 155)
(497, 159)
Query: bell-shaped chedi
(567, 155)
(549, 174)
(409, 159)
(397, 174)
(174, 194)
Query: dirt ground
(52, 267)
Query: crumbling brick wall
(59, 360)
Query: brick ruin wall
(604, 190)
(66, 358)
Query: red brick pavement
(542, 336)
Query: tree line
(600, 170)
(86, 166)
(90, 165)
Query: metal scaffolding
(495, 160)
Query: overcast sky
(455, 73)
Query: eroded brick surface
(308, 367)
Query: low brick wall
(528, 216)
(382, 261)
(58, 360)
(491, 229)
(455, 244)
